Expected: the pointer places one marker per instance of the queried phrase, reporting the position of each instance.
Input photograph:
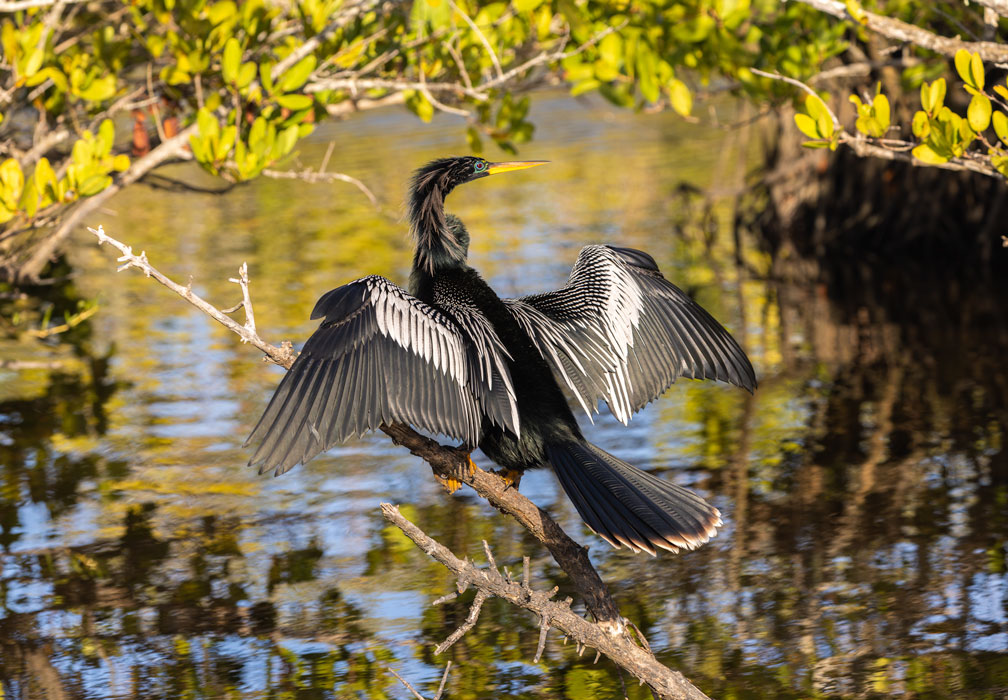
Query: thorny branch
(609, 634)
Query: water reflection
(864, 486)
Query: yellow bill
(513, 165)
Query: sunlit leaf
(680, 97)
(979, 113)
(927, 155)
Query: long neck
(438, 245)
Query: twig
(899, 30)
(887, 149)
(320, 176)
(16, 365)
(482, 37)
(243, 281)
(282, 356)
(798, 84)
(543, 629)
(469, 623)
(444, 679)
(406, 683)
(71, 322)
(416, 694)
(174, 147)
(18, 5)
(616, 646)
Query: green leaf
(977, 71)
(99, 90)
(925, 154)
(246, 74)
(11, 183)
(105, 139)
(1001, 90)
(647, 73)
(93, 184)
(33, 63)
(937, 96)
(527, 5)
(680, 97)
(45, 178)
(855, 10)
(979, 113)
(231, 61)
(257, 135)
(294, 102)
(1000, 126)
(121, 163)
(226, 141)
(265, 76)
(882, 113)
(807, 125)
(817, 110)
(921, 125)
(298, 74)
(583, 86)
(285, 142)
(207, 124)
(419, 105)
(962, 65)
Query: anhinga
(451, 357)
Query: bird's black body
(543, 412)
(451, 356)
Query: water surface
(864, 486)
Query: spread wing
(383, 356)
(620, 331)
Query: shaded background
(864, 487)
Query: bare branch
(469, 623)
(246, 302)
(799, 84)
(444, 679)
(282, 356)
(321, 176)
(998, 6)
(406, 683)
(172, 148)
(899, 30)
(18, 5)
(617, 646)
(482, 37)
(543, 630)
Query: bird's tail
(626, 506)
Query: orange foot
(451, 484)
(510, 477)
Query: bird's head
(431, 184)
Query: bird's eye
(480, 166)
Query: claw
(510, 477)
(451, 484)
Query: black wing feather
(619, 331)
(382, 356)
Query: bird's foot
(510, 477)
(452, 484)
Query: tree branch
(618, 647)
(899, 30)
(609, 634)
